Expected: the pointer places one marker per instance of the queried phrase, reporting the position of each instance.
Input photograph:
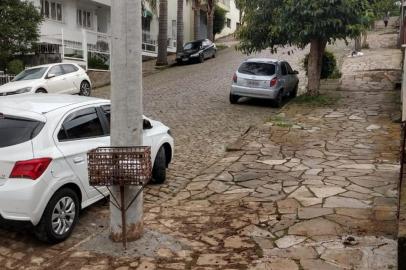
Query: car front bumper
(186, 58)
(244, 91)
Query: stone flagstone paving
(314, 190)
(319, 193)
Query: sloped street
(304, 188)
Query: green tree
(275, 23)
(219, 20)
(19, 28)
(382, 7)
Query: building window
(84, 18)
(228, 23)
(51, 10)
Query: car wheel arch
(41, 90)
(168, 153)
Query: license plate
(252, 83)
(185, 59)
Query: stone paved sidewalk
(314, 188)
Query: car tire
(277, 102)
(41, 91)
(201, 58)
(159, 169)
(234, 99)
(214, 54)
(85, 89)
(293, 94)
(63, 208)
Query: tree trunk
(196, 23)
(210, 19)
(162, 59)
(365, 44)
(126, 104)
(315, 62)
(358, 44)
(180, 27)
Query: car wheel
(85, 89)
(214, 54)
(159, 169)
(234, 99)
(293, 94)
(41, 91)
(277, 102)
(59, 218)
(201, 58)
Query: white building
(79, 30)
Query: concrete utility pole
(126, 103)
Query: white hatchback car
(61, 78)
(44, 140)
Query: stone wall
(99, 78)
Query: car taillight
(31, 169)
(274, 81)
(235, 77)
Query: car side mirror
(50, 75)
(295, 72)
(147, 124)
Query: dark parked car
(198, 50)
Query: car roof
(196, 41)
(50, 65)
(263, 60)
(45, 103)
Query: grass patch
(280, 121)
(221, 47)
(317, 101)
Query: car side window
(56, 70)
(82, 124)
(106, 112)
(289, 68)
(69, 68)
(284, 69)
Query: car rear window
(16, 130)
(258, 69)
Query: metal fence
(4, 78)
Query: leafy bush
(97, 63)
(15, 66)
(219, 20)
(329, 66)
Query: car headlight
(21, 91)
(195, 55)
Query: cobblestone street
(193, 101)
(304, 188)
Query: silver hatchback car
(264, 78)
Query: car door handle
(78, 160)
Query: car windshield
(16, 130)
(30, 74)
(258, 69)
(192, 46)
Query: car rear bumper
(19, 200)
(243, 91)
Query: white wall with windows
(232, 19)
(72, 16)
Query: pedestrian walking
(386, 19)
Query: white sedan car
(61, 78)
(44, 140)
